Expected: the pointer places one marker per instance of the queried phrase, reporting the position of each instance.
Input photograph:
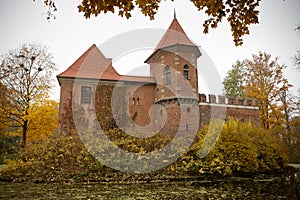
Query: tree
(50, 4)
(297, 56)
(264, 81)
(26, 72)
(239, 14)
(233, 82)
(297, 60)
(3, 120)
(4, 108)
(42, 120)
(294, 147)
(262, 78)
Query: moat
(280, 187)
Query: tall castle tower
(174, 64)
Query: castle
(167, 100)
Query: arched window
(186, 72)
(167, 75)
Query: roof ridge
(80, 57)
(91, 64)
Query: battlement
(221, 99)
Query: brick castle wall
(244, 109)
(134, 107)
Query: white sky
(70, 34)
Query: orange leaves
(94, 7)
(239, 14)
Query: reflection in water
(286, 187)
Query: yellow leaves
(43, 120)
(245, 148)
(216, 162)
(264, 81)
(26, 83)
(201, 171)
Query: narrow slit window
(167, 75)
(186, 72)
(86, 95)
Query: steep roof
(174, 35)
(92, 64)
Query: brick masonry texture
(146, 104)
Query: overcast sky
(70, 34)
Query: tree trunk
(24, 132)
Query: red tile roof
(174, 35)
(92, 64)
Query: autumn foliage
(264, 80)
(239, 14)
(26, 73)
(43, 120)
(241, 149)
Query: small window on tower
(188, 110)
(86, 95)
(186, 72)
(167, 75)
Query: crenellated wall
(221, 107)
(221, 99)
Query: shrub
(241, 148)
(60, 159)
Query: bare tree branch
(25, 74)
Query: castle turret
(174, 64)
